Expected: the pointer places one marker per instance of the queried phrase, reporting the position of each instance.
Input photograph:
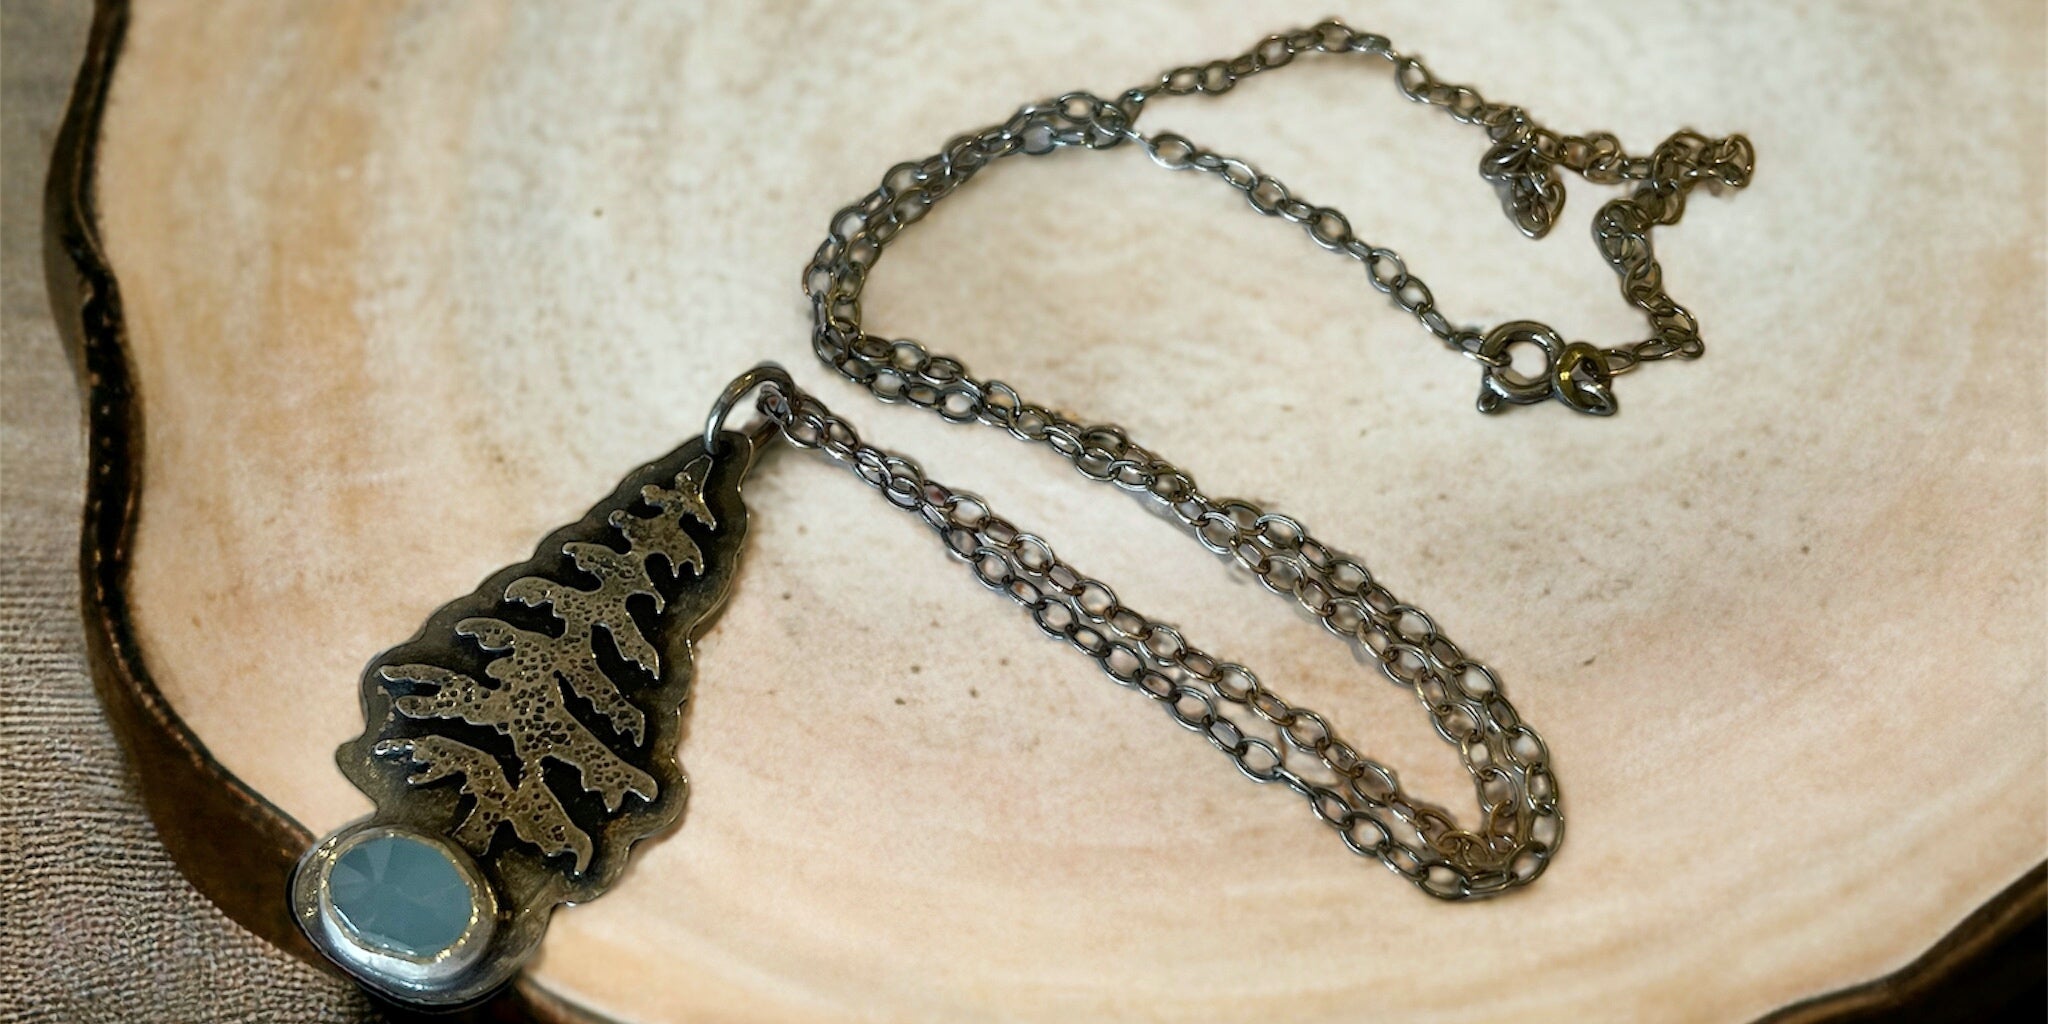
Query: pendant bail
(767, 373)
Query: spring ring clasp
(1574, 373)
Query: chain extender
(1522, 163)
(1520, 825)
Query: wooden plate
(371, 296)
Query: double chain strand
(1359, 798)
(1269, 739)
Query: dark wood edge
(200, 810)
(236, 847)
(1907, 992)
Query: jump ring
(766, 373)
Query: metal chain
(1522, 163)
(1520, 824)
(1269, 739)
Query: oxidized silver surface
(1521, 821)
(533, 723)
(1522, 162)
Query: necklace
(522, 742)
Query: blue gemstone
(401, 895)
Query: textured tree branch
(538, 673)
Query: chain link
(1269, 739)
(1522, 163)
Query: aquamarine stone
(401, 895)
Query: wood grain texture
(408, 285)
(96, 922)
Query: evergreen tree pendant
(525, 739)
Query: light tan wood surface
(409, 285)
(99, 924)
